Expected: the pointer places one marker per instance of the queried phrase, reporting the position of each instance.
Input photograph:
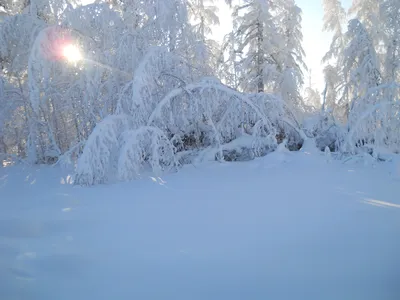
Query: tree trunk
(260, 59)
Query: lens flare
(71, 53)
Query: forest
(115, 88)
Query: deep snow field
(287, 226)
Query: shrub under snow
(205, 119)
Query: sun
(72, 53)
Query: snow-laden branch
(144, 145)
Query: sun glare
(72, 53)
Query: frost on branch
(208, 115)
(114, 151)
(142, 148)
(199, 118)
(326, 130)
(374, 121)
(158, 72)
(210, 112)
(99, 158)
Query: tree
(367, 12)
(291, 57)
(334, 18)
(372, 113)
(204, 15)
(359, 61)
(361, 71)
(17, 35)
(256, 34)
(312, 96)
(390, 20)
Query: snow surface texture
(286, 226)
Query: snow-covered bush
(375, 128)
(362, 82)
(146, 145)
(326, 131)
(99, 160)
(195, 119)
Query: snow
(286, 226)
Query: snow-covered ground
(286, 226)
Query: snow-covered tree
(332, 99)
(138, 92)
(372, 115)
(265, 51)
(359, 61)
(312, 96)
(361, 89)
(200, 119)
(17, 35)
(291, 57)
(367, 12)
(390, 20)
(256, 37)
(204, 15)
(228, 62)
(334, 19)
